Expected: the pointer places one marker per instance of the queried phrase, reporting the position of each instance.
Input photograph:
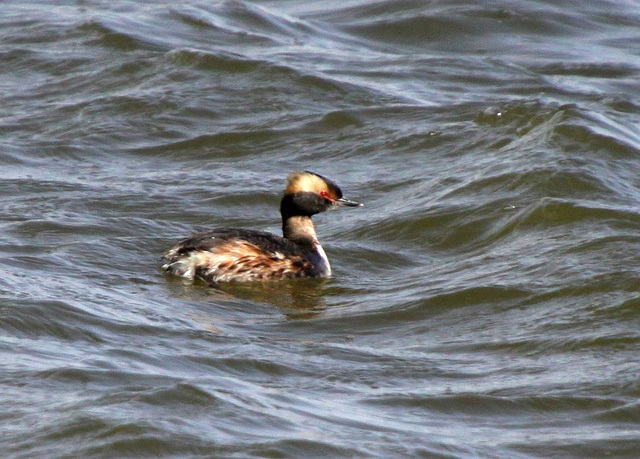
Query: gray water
(485, 302)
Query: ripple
(54, 319)
(208, 61)
(589, 70)
(496, 405)
(412, 24)
(585, 137)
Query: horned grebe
(229, 254)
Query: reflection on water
(306, 296)
(298, 299)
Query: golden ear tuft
(305, 181)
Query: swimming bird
(231, 254)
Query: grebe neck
(300, 229)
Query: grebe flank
(230, 254)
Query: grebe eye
(326, 195)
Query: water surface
(485, 302)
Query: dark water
(485, 302)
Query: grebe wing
(216, 239)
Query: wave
(412, 23)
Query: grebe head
(308, 194)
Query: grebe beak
(344, 202)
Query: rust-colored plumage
(235, 259)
